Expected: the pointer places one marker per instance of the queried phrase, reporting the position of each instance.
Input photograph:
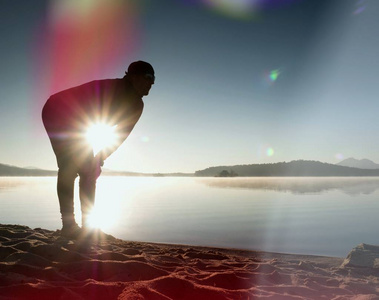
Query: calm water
(322, 216)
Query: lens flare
(84, 40)
(360, 6)
(241, 9)
(101, 136)
(264, 150)
(145, 139)
(270, 77)
(270, 152)
(102, 218)
(244, 9)
(339, 156)
(274, 74)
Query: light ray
(101, 136)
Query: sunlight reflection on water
(325, 216)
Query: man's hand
(93, 167)
(99, 160)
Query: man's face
(142, 83)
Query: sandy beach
(39, 264)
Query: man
(67, 116)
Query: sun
(101, 136)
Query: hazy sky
(236, 83)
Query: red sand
(39, 264)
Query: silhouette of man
(67, 116)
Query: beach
(40, 264)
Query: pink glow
(87, 39)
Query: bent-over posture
(67, 116)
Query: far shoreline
(296, 168)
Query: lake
(319, 216)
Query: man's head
(141, 75)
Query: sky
(237, 82)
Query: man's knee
(67, 172)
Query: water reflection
(14, 183)
(299, 185)
(291, 215)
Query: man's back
(94, 101)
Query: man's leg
(87, 188)
(67, 173)
(62, 146)
(65, 189)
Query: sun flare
(102, 218)
(101, 136)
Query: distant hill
(7, 170)
(293, 168)
(358, 163)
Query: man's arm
(123, 130)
